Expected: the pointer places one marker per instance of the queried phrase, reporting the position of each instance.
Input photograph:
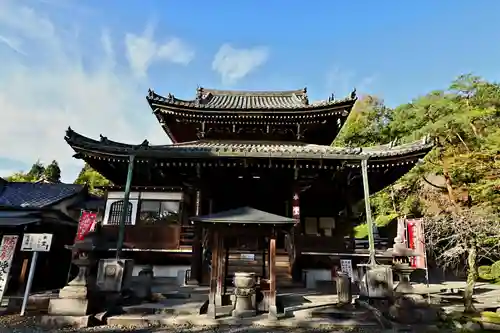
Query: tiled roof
(35, 195)
(247, 100)
(244, 215)
(211, 148)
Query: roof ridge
(254, 92)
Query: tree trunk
(447, 176)
(471, 280)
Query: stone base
(68, 307)
(273, 312)
(192, 282)
(243, 313)
(71, 291)
(69, 321)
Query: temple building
(242, 159)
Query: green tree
(92, 178)
(36, 172)
(458, 184)
(52, 172)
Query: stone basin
(244, 280)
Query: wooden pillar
(216, 274)
(226, 267)
(197, 250)
(220, 269)
(273, 312)
(126, 199)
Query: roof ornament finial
(305, 99)
(331, 98)
(70, 134)
(170, 97)
(103, 138)
(199, 94)
(151, 93)
(353, 94)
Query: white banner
(7, 250)
(36, 242)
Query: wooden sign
(36, 242)
(7, 250)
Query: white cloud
(234, 64)
(62, 81)
(142, 50)
(342, 81)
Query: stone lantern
(80, 296)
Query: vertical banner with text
(7, 250)
(86, 224)
(416, 242)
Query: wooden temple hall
(250, 183)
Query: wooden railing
(166, 237)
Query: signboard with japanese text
(346, 267)
(86, 224)
(7, 250)
(36, 242)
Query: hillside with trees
(457, 187)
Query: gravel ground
(17, 324)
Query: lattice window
(115, 213)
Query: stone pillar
(344, 291)
(369, 221)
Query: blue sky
(88, 64)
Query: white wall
(114, 196)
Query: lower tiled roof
(35, 195)
(207, 148)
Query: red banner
(416, 242)
(86, 224)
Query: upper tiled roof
(214, 99)
(35, 195)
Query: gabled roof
(35, 195)
(244, 215)
(216, 100)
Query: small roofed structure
(258, 229)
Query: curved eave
(189, 108)
(105, 149)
